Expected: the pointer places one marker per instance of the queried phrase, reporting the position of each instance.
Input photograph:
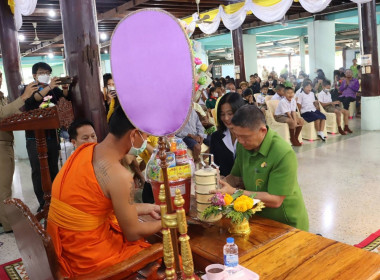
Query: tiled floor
(340, 181)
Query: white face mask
(110, 88)
(43, 79)
(327, 90)
(215, 94)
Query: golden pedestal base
(240, 229)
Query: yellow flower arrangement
(243, 203)
(237, 207)
(228, 199)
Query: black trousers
(346, 101)
(53, 154)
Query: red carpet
(371, 243)
(13, 270)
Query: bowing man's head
(249, 127)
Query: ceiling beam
(120, 10)
(103, 16)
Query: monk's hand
(225, 188)
(154, 211)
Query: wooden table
(207, 240)
(278, 251)
(302, 255)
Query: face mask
(227, 91)
(300, 80)
(327, 90)
(134, 151)
(43, 79)
(215, 94)
(110, 88)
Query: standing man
(7, 160)
(266, 166)
(354, 68)
(46, 87)
(264, 74)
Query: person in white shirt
(307, 106)
(261, 99)
(286, 113)
(280, 92)
(330, 106)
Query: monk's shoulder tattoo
(101, 169)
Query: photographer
(109, 93)
(46, 87)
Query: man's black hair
(289, 88)
(326, 83)
(280, 86)
(249, 116)
(41, 65)
(212, 89)
(73, 129)
(307, 82)
(119, 124)
(218, 85)
(247, 92)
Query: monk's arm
(127, 215)
(117, 184)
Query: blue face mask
(227, 91)
(136, 151)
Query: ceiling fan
(203, 19)
(37, 40)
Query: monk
(93, 220)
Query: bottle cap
(230, 240)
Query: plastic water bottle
(231, 256)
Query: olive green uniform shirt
(273, 169)
(7, 110)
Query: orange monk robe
(80, 220)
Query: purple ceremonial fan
(152, 67)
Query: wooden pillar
(237, 42)
(370, 81)
(290, 64)
(370, 101)
(80, 36)
(344, 56)
(10, 50)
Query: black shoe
(40, 208)
(323, 139)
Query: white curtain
(313, 6)
(269, 14)
(361, 1)
(266, 14)
(23, 8)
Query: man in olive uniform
(7, 162)
(266, 165)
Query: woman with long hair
(223, 141)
